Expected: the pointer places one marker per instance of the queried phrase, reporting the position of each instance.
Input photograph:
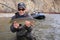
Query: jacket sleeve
(12, 28)
(29, 29)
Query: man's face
(21, 11)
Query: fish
(22, 20)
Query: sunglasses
(21, 9)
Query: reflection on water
(48, 29)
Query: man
(22, 30)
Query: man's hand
(28, 23)
(15, 24)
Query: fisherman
(22, 30)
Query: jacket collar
(17, 15)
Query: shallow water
(48, 29)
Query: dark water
(48, 29)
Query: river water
(47, 29)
